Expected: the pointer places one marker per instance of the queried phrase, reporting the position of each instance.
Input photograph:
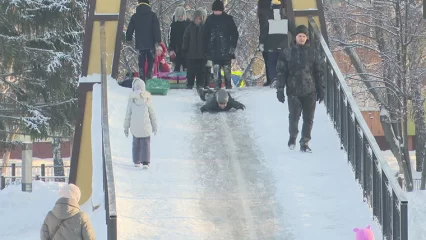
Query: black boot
(305, 148)
(292, 143)
(148, 76)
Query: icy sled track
(231, 175)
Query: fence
(44, 173)
(380, 189)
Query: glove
(261, 47)
(320, 96)
(280, 95)
(154, 132)
(240, 106)
(203, 109)
(231, 50)
(126, 132)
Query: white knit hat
(70, 191)
(138, 85)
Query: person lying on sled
(221, 101)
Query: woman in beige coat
(66, 221)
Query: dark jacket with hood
(193, 45)
(146, 26)
(220, 35)
(299, 69)
(213, 106)
(76, 224)
(177, 29)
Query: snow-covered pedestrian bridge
(231, 175)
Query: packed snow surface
(22, 214)
(231, 176)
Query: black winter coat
(220, 34)
(212, 106)
(177, 29)
(193, 42)
(146, 26)
(299, 69)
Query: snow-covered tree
(40, 58)
(385, 43)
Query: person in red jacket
(160, 64)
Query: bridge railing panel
(109, 184)
(380, 189)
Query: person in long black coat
(144, 23)
(220, 41)
(177, 29)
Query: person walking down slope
(146, 26)
(221, 101)
(66, 221)
(142, 121)
(300, 71)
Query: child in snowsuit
(160, 64)
(300, 71)
(142, 121)
(177, 29)
(146, 26)
(194, 50)
(220, 41)
(66, 221)
(220, 101)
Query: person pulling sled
(220, 101)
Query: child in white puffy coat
(142, 121)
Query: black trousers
(196, 69)
(305, 105)
(145, 55)
(180, 61)
(141, 150)
(265, 59)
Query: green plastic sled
(157, 86)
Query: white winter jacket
(140, 114)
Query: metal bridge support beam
(300, 10)
(112, 12)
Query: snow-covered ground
(220, 176)
(231, 175)
(22, 214)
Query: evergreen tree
(40, 58)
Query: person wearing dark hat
(221, 101)
(220, 37)
(144, 23)
(300, 71)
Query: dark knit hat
(302, 29)
(218, 6)
(143, 1)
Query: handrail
(109, 184)
(380, 189)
